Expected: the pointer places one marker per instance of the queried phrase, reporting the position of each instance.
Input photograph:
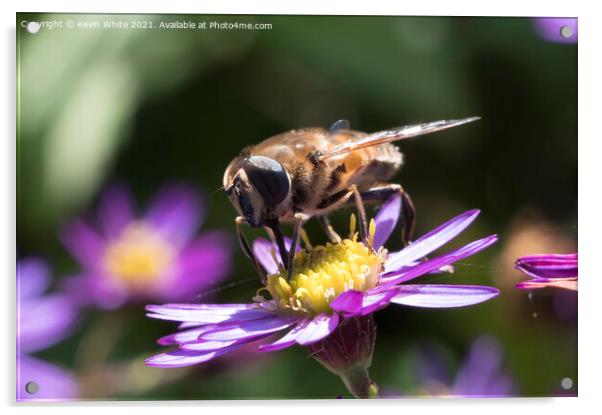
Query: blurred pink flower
(156, 256)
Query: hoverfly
(310, 172)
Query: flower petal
(566, 283)
(386, 220)
(180, 358)
(202, 263)
(44, 321)
(318, 328)
(431, 241)
(287, 340)
(443, 296)
(357, 303)
(33, 277)
(56, 384)
(349, 303)
(549, 265)
(207, 313)
(481, 372)
(375, 301)
(184, 336)
(263, 248)
(115, 210)
(176, 213)
(207, 346)
(546, 258)
(406, 274)
(249, 329)
(84, 243)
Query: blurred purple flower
(556, 29)
(347, 280)
(153, 257)
(480, 375)
(42, 321)
(549, 270)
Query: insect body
(311, 172)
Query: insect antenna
(224, 287)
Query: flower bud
(347, 352)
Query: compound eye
(269, 178)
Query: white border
(590, 369)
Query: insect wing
(394, 134)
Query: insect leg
(300, 219)
(408, 213)
(361, 211)
(275, 227)
(244, 244)
(330, 232)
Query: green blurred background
(153, 106)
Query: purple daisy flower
(42, 321)
(556, 29)
(549, 270)
(152, 257)
(334, 288)
(481, 374)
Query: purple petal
(249, 329)
(318, 328)
(203, 263)
(425, 267)
(176, 213)
(207, 313)
(208, 346)
(386, 220)
(54, 382)
(184, 336)
(549, 265)
(377, 300)
(95, 290)
(188, 325)
(549, 271)
(287, 340)
(262, 249)
(443, 296)
(84, 243)
(548, 28)
(430, 241)
(349, 303)
(357, 303)
(543, 258)
(115, 210)
(44, 322)
(565, 283)
(481, 374)
(180, 358)
(33, 277)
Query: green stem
(359, 383)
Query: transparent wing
(395, 134)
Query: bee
(311, 172)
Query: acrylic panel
(408, 229)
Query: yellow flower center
(138, 255)
(323, 272)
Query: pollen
(138, 256)
(323, 272)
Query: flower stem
(359, 383)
